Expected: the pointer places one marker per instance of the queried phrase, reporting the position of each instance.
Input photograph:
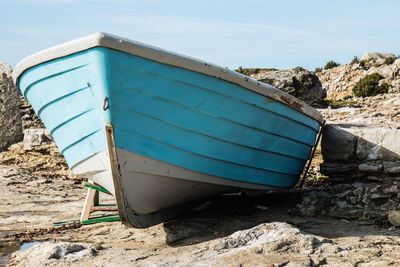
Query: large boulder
(376, 58)
(10, 115)
(298, 82)
(339, 81)
(29, 119)
(360, 152)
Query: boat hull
(178, 135)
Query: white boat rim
(107, 40)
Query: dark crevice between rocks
(242, 211)
(28, 116)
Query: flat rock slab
(230, 231)
(357, 201)
(349, 148)
(28, 202)
(35, 137)
(354, 143)
(267, 244)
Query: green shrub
(317, 70)
(363, 64)
(331, 64)
(355, 60)
(240, 70)
(389, 60)
(369, 86)
(340, 103)
(247, 71)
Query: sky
(252, 33)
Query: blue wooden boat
(160, 130)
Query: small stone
(329, 168)
(353, 200)
(259, 207)
(394, 217)
(342, 204)
(374, 178)
(35, 137)
(306, 200)
(393, 169)
(358, 191)
(258, 250)
(365, 167)
(377, 195)
(391, 189)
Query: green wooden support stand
(92, 204)
(107, 218)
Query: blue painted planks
(66, 94)
(182, 116)
(170, 114)
(205, 124)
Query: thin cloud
(272, 34)
(184, 24)
(53, 2)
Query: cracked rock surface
(10, 116)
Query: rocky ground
(380, 110)
(10, 119)
(349, 221)
(230, 230)
(275, 229)
(298, 82)
(339, 81)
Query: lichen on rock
(298, 82)
(10, 116)
(340, 81)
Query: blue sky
(253, 33)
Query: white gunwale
(166, 57)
